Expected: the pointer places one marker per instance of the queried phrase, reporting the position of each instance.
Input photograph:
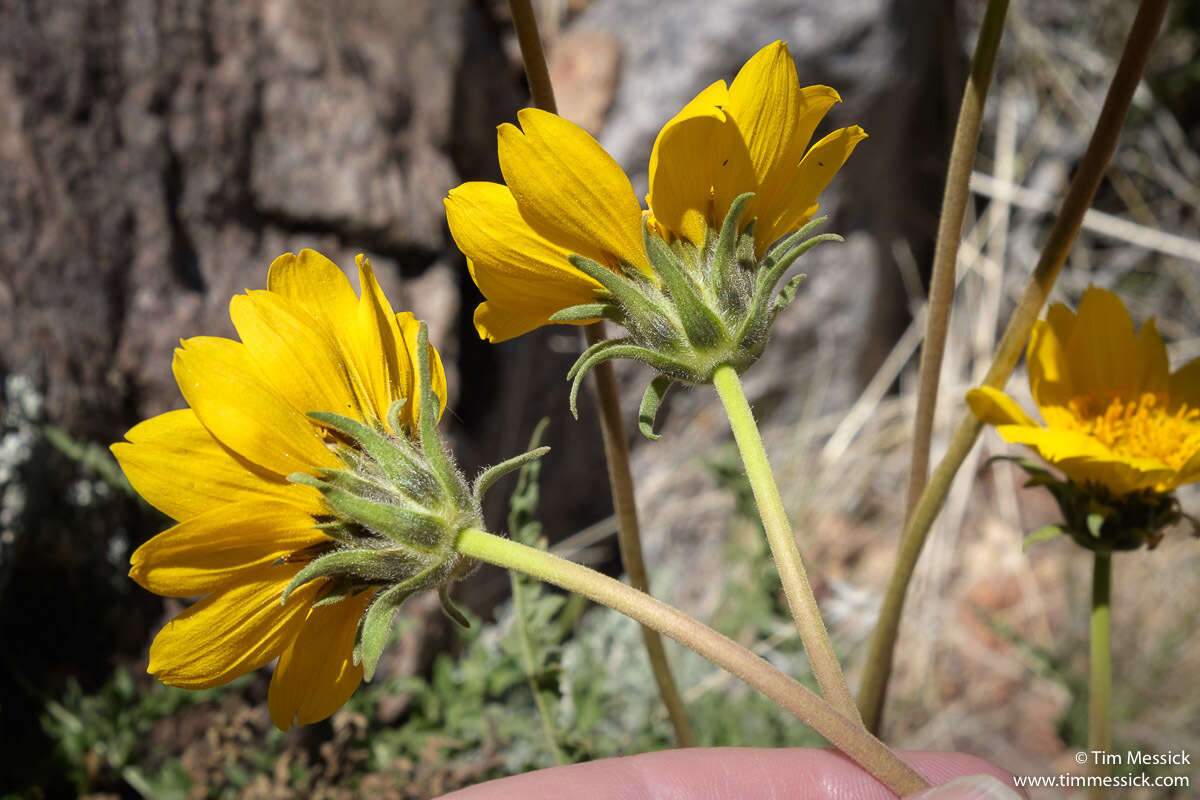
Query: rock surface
(154, 158)
(159, 155)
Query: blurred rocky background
(155, 156)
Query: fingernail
(969, 787)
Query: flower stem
(521, 621)
(1054, 254)
(616, 448)
(949, 235)
(782, 541)
(532, 55)
(847, 735)
(629, 540)
(1100, 683)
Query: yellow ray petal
(1055, 444)
(176, 464)
(299, 358)
(317, 284)
(570, 190)
(524, 276)
(765, 100)
(376, 347)
(409, 327)
(1100, 352)
(1120, 476)
(1151, 372)
(682, 161)
(314, 283)
(232, 632)
(1185, 386)
(1049, 373)
(496, 323)
(777, 118)
(316, 674)
(805, 183)
(225, 388)
(1189, 472)
(221, 547)
(994, 407)
(814, 104)
(1062, 320)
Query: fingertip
(969, 787)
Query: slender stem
(521, 621)
(873, 690)
(532, 55)
(616, 448)
(782, 541)
(629, 540)
(1100, 684)
(843, 733)
(1008, 352)
(949, 235)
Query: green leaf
(627, 296)
(342, 589)
(412, 526)
(772, 268)
(767, 278)
(375, 626)
(449, 609)
(587, 312)
(786, 295)
(702, 326)
(615, 348)
(725, 255)
(431, 443)
(1043, 534)
(651, 400)
(592, 350)
(498, 471)
(790, 242)
(523, 501)
(393, 415)
(388, 453)
(368, 566)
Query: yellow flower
(1115, 415)
(565, 195)
(220, 469)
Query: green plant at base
(102, 737)
(523, 528)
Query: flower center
(1143, 428)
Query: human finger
(724, 772)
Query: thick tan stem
(620, 481)
(1054, 254)
(949, 235)
(616, 448)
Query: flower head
(311, 489)
(750, 136)
(566, 197)
(1115, 415)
